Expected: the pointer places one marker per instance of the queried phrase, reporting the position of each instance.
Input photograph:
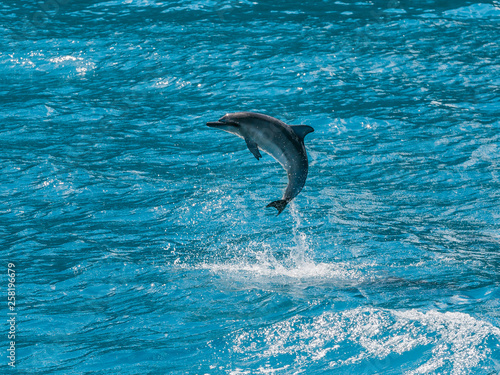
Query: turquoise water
(140, 237)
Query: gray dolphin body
(283, 142)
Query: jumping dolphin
(283, 142)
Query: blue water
(140, 236)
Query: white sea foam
(266, 265)
(378, 339)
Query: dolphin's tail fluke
(279, 205)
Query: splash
(258, 261)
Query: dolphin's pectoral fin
(252, 146)
(279, 205)
(302, 130)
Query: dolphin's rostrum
(283, 142)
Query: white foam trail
(300, 253)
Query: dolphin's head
(226, 123)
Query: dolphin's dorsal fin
(252, 146)
(302, 130)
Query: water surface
(140, 236)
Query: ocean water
(139, 236)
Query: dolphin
(283, 142)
